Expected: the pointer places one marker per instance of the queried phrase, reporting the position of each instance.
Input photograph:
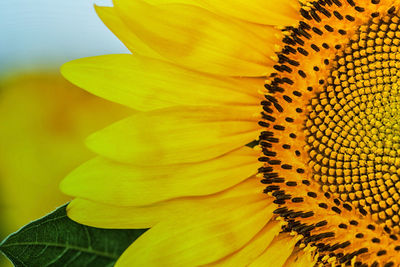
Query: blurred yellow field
(44, 121)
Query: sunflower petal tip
(92, 140)
(68, 70)
(100, 10)
(69, 185)
(74, 210)
(64, 187)
(97, 141)
(64, 69)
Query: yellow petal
(254, 248)
(270, 12)
(161, 2)
(300, 258)
(145, 84)
(198, 39)
(100, 215)
(125, 185)
(277, 252)
(112, 216)
(201, 238)
(110, 18)
(177, 135)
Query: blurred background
(44, 119)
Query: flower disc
(332, 139)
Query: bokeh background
(43, 118)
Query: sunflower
(266, 133)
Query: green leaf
(55, 240)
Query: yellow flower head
(314, 82)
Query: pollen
(352, 129)
(331, 144)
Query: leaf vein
(82, 249)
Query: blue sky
(46, 33)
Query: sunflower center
(353, 128)
(331, 144)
